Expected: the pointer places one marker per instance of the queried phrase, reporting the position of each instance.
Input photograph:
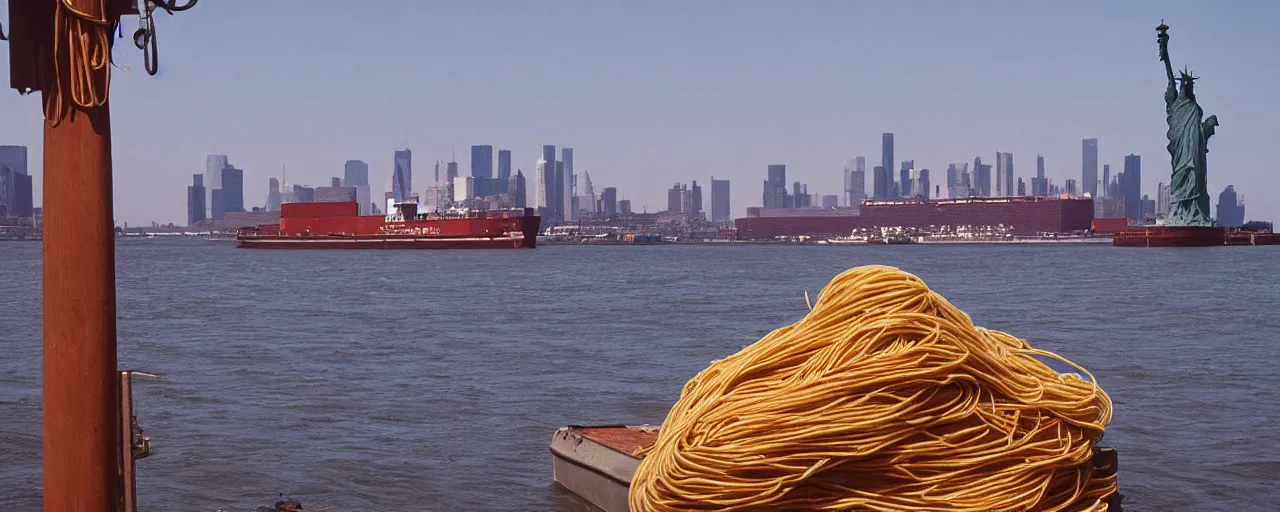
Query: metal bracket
(134, 443)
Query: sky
(654, 92)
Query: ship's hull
(386, 242)
(1172, 236)
(338, 226)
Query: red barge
(1192, 236)
(339, 225)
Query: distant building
(195, 200)
(518, 189)
(481, 162)
(1039, 185)
(1022, 187)
(504, 164)
(1131, 188)
(355, 173)
(1163, 199)
(303, 194)
(337, 194)
(981, 185)
(1089, 167)
(609, 199)
(679, 198)
(905, 186)
(216, 211)
(232, 190)
(775, 188)
(213, 165)
(958, 180)
(1004, 174)
(720, 211)
(830, 201)
(884, 173)
(855, 181)
(273, 195)
(1106, 189)
(624, 207)
(402, 175)
(696, 191)
(921, 183)
(17, 196)
(464, 188)
(564, 170)
(1230, 208)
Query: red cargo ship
(339, 226)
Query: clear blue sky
(649, 93)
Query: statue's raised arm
(1171, 92)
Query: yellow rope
(884, 397)
(82, 60)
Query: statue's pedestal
(1172, 236)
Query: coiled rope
(83, 78)
(884, 397)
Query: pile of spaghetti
(884, 397)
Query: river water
(433, 380)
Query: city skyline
(711, 101)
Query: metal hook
(170, 8)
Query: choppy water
(398, 381)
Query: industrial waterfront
(400, 381)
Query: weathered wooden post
(62, 49)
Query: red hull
(1172, 236)
(337, 226)
(345, 242)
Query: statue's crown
(1187, 76)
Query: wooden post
(82, 448)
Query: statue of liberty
(1188, 146)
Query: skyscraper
(481, 162)
(719, 200)
(16, 194)
(1004, 174)
(568, 212)
(1040, 187)
(981, 178)
(1089, 167)
(518, 189)
(884, 177)
(775, 187)
(232, 189)
(1106, 181)
(675, 196)
(402, 176)
(550, 199)
(609, 201)
(504, 164)
(921, 184)
(905, 187)
(696, 191)
(213, 165)
(355, 173)
(1131, 186)
(273, 195)
(540, 187)
(1163, 197)
(195, 200)
(1230, 208)
(562, 214)
(855, 182)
